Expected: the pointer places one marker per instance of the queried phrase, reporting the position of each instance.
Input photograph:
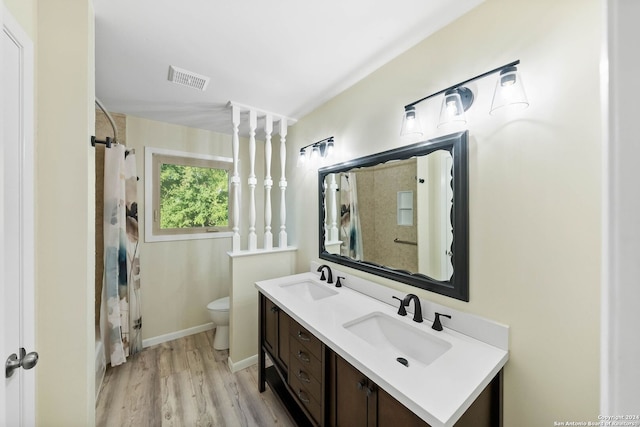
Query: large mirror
(402, 214)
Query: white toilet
(219, 312)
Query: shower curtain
(120, 320)
(350, 229)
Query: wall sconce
(314, 153)
(456, 101)
(509, 92)
(411, 125)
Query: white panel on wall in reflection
(405, 207)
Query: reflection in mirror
(394, 214)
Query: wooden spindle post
(333, 189)
(283, 183)
(235, 179)
(268, 182)
(253, 124)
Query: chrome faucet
(417, 313)
(329, 276)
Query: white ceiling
(283, 56)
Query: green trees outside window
(192, 196)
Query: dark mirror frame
(457, 144)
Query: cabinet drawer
(306, 338)
(311, 383)
(307, 361)
(305, 397)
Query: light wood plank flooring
(187, 383)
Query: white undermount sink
(309, 290)
(393, 338)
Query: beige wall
(243, 322)
(179, 278)
(534, 187)
(24, 11)
(65, 229)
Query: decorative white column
(268, 182)
(253, 123)
(235, 179)
(333, 206)
(283, 183)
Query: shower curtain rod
(108, 140)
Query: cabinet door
(271, 326)
(276, 333)
(350, 396)
(392, 413)
(283, 338)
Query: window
(187, 196)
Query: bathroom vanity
(342, 358)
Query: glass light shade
(328, 149)
(302, 158)
(452, 111)
(509, 92)
(315, 153)
(411, 125)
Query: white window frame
(149, 184)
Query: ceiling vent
(187, 78)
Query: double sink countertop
(438, 391)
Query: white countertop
(439, 393)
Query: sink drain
(403, 361)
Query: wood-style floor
(187, 383)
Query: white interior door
(17, 397)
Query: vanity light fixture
(458, 98)
(456, 101)
(411, 125)
(509, 91)
(302, 157)
(317, 151)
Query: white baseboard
(178, 334)
(238, 366)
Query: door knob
(26, 361)
(30, 360)
(11, 365)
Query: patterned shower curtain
(121, 321)
(350, 229)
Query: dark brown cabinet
(307, 370)
(320, 388)
(275, 329)
(356, 401)
(359, 402)
(298, 371)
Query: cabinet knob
(275, 309)
(302, 336)
(361, 384)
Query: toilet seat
(221, 304)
